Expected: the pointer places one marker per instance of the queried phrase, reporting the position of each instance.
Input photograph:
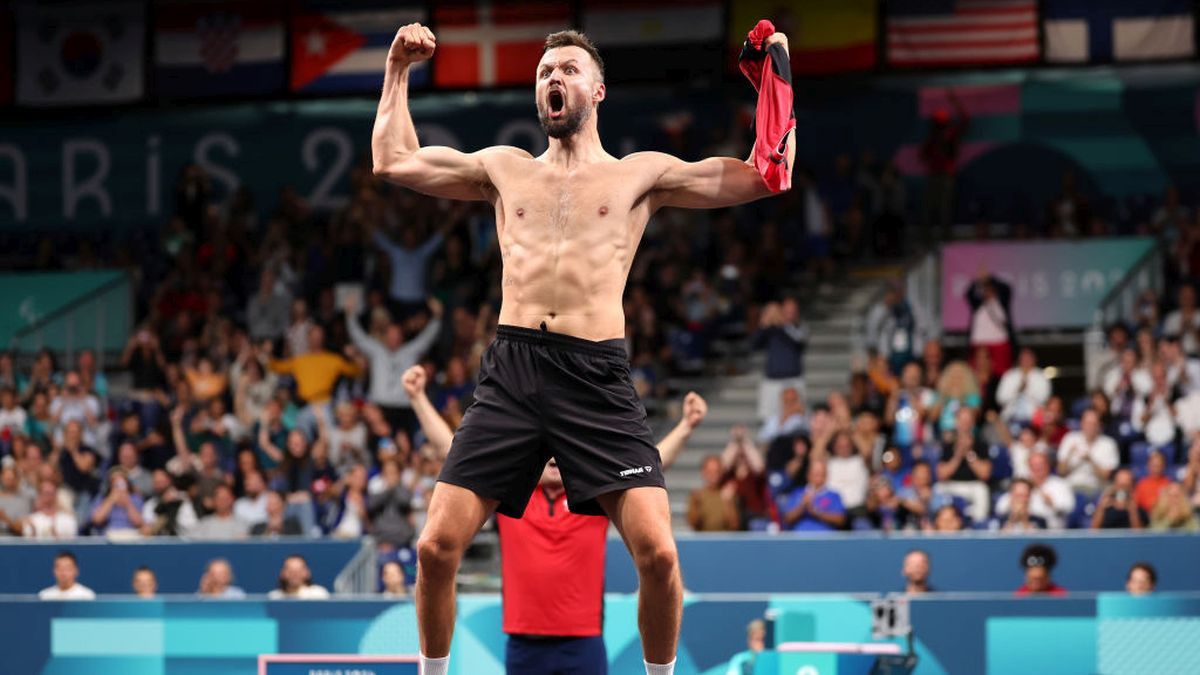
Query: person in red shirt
(1146, 492)
(551, 560)
(939, 154)
(1038, 561)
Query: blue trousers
(556, 656)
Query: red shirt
(552, 566)
(1053, 589)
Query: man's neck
(917, 587)
(582, 147)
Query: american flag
(961, 32)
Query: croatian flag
(218, 48)
(345, 50)
(1082, 31)
(961, 32)
(493, 43)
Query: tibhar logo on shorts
(637, 470)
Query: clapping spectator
(221, 523)
(713, 508)
(1172, 511)
(848, 474)
(784, 337)
(1146, 493)
(744, 468)
(1050, 497)
(295, 582)
(49, 519)
(956, 389)
(789, 420)
(1022, 390)
(815, 507)
(882, 508)
(14, 505)
(217, 581)
(78, 463)
(251, 507)
(1116, 508)
(1152, 414)
(145, 583)
(1184, 321)
(1016, 515)
(118, 512)
(965, 469)
(66, 581)
(1086, 458)
(917, 499)
(75, 404)
(277, 523)
(990, 300)
(390, 508)
(907, 410)
(350, 519)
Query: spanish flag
(824, 36)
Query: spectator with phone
(1117, 508)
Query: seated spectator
(221, 523)
(1051, 422)
(295, 477)
(849, 476)
(1142, 579)
(1187, 414)
(1014, 510)
(882, 509)
(277, 523)
(917, 499)
(1183, 371)
(787, 463)
(743, 663)
(1148, 488)
(1173, 511)
(1022, 390)
(1086, 458)
(713, 508)
(66, 581)
(892, 468)
(956, 389)
(119, 511)
(15, 505)
(49, 519)
(1185, 320)
(168, 511)
(79, 464)
(790, 419)
(1152, 414)
(1049, 499)
(295, 582)
(1025, 446)
(141, 482)
(217, 581)
(1126, 383)
(75, 404)
(948, 519)
(346, 438)
(868, 441)
(1038, 561)
(271, 435)
(145, 584)
(390, 507)
(916, 570)
(964, 469)
(395, 586)
(815, 507)
(349, 517)
(251, 507)
(1117, 508)
(742, 466)
(13, 418)
(1191, 474)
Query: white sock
(435, 666)
(660, 668)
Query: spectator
(346, 438)
(907, 410)
(916, 572)
(848, 474)
(1142, 579)
(1116, 508)
(1191, 473)
(253, 387)
(205, 380)
(893, 329)
(1172, 511)
(13, 418)
(217, 581)
(299, 333)
(349, 518)
(395, 585)
(91, 378)
(784, 337)
(1148, 488)
(75, 404)
(295, 582)
(295, 477)
(956, 389)
(271, 435)
(147, 366)
(1015, 511)
(267, 311)
(49, 519)
(145, 584)
(816, 507)
(932, 362)
(742, 663)
(1086, 458)
(917, 499)
(1184, 321)
(1116, 342)
(317, 370)
(408, 262)
(1025, 446)
(251, 507)
(221, 523)
(1051, 499)
(66, 581)
(1127, 382)
(277, 523)
(78, 463)
(939, 154)
(713, 508)
(990, 300)
(391, 357)
(947, 519)
(1023, 389)
(168, 511)
(1038, 561)
(1152, 414)
(882, 509)
(789, 420)
(141, 482)
(14, 504)
(743, 466)
(1183, 371)
(964, 469)
(119, 511)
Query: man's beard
(564, 126)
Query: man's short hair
(573, 38)
(68, 555)
(1148, 568)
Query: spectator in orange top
(205, 380)
(316, 371)
(1146, 492)
(713, 508)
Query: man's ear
(598, 94)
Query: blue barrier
(108, 567)
(870, 563)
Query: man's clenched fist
(414, 381)
(413, 43)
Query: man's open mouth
(557, 103)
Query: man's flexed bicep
(710, 183)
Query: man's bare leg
(643, 517)
(455, 515)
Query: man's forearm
(436, 430)
(671, 444)
(394, 136)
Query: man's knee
(438, 553)
(660, 562)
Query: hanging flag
(961, 32)
(1083, 31)
(824, 36)
(345, 50)
(80, 53)
(493, 43)
(216, 48)
(668, 39)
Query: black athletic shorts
(543, 395)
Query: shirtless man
(556, 380)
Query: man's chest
(595, 200)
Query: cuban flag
(345, 50)
(1083, 31)
(217, 48)
(76, 54)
